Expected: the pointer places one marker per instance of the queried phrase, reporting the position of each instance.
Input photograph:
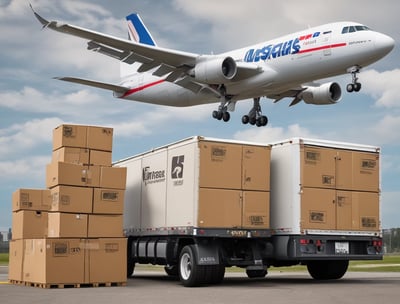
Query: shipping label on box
(71, 199)
(108, 201)
(67, 225)
(61, 173)
(31, 199)
(69, 136)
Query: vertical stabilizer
(137, 32)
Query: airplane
(287, 66)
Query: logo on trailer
(177, 169)
(152, 176)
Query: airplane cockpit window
(352, 29)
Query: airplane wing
(173, 64)
(97, 84)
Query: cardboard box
(256, 210)
(220, 165)
(219, 208)
(61, 173)
(31, 199)
(27, 224)
(100, 158)
(54, 261)
(79, 156)
(69, 136)
(101, 225)
(16, 257)
(71, 199)
(67, 225)
(256, 168)
(106, 262)
(108, 201)
(99, 138)
(113, 177)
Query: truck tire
(190, 273)
(256, 273)
(327, 270)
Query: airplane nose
(384, 44)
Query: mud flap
(207, 253)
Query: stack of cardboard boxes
(71, 232)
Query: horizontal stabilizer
(97, 84)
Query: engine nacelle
(328, 93)
(214, 70)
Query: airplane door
(326, 41)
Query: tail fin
(138, 31)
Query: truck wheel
(256, 273)
(190, 273)
(327, 270)
(218, 273)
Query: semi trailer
(201, 205)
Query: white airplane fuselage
(287, 62)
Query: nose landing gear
(354, 86)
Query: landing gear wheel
(226, 116)
(253, 121)
(215, 114)
(190, 273)
(350, 87)
(262, 121)
(357, 87)
(245, 119)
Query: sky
(32, 103)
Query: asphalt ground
(148, 286)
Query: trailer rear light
(304, 242)
(377, 243)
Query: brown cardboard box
(256, 209)
(108, 201)
(61, 173)
(318, 208)
(100, 158)
(106, 260)
(54, 261)
(219, 208)
(16, 258)
(67, 225)
(256, 168)
(31, 199)
(71, 199)
(27, 224)
(318, 167)
(220, 165)
(113, 177)
(69, 136)
(365, 171)
(358, 210)
(99, 138)
(101, 225)
(79, 156)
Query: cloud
(382, 86)
(273, 134)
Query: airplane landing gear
(255, 116)
(222, 112)
(354, 86)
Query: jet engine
(328, 93)
(214, 70)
